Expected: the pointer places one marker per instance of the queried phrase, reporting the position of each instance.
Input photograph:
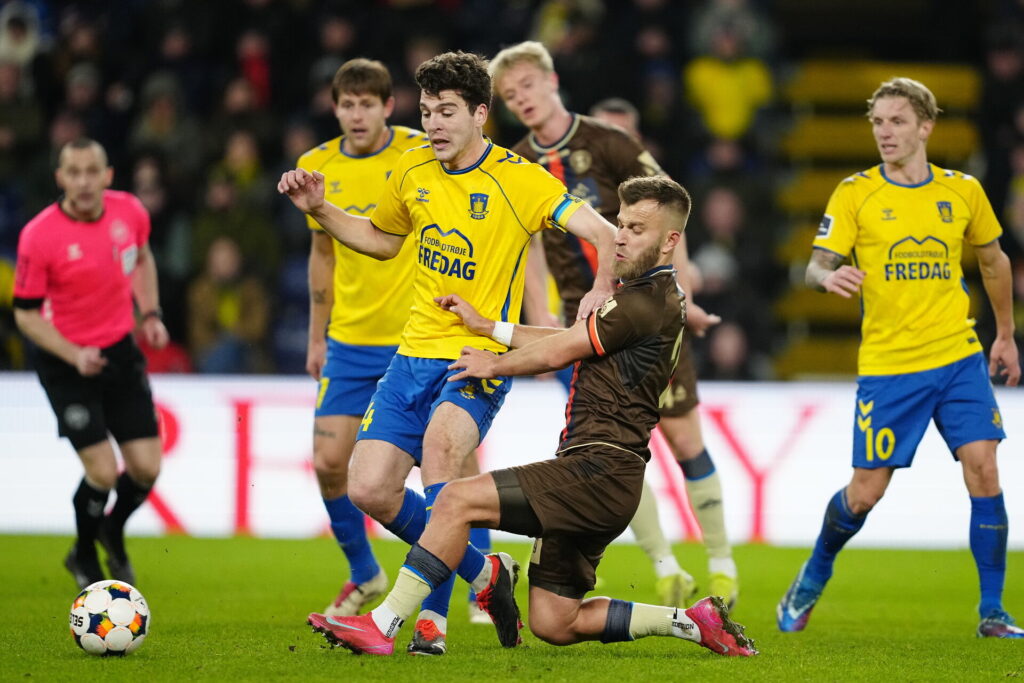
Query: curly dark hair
(463, 72)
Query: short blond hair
(917, 93)
(528, 51)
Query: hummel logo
(423, 192)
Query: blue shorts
(350, 377)
(893, 412)
(410, 392)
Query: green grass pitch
(235, 609)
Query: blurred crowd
(201, 105)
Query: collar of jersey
(657, 270)
(470, 168)
(387, 143)
(60, 207)
(539, 148)
(931, 175)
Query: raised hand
(305, 189)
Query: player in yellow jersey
(472, 207)
(358, 306)
(903, 224)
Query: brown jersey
(591, 159)
(615, 394)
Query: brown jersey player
(592, 157)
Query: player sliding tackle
(578, 502)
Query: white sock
(656, 620)
(387, 621)
(667, 566)
(483, 579)
(439, 621)
(722, 565)
(684, 627)
(408, 592)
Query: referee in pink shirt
(84, 263)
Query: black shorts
(575, 505)
(118, 400)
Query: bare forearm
(321, 293)
(604, 242)
(533, 358)
(535, 295)
(43, 334)
(144, 284)
(355, 232)
(997, 279)
(822, 264)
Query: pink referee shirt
(83, 269)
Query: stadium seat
(848, 138)
(818, 357)
(844, 83)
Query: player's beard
(634, 268)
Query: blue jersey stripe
(557, 217)
(508, 296)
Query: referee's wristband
(155, 313)
(502, 332)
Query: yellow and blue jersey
(470, 230)
(371, 297)
(908, 239)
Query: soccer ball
(109, 618)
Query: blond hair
(920, 97)
(528, 51)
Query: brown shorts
(683, 395)
(575, 505)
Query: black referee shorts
(118, 400)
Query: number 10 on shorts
(880, 444)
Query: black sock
(89, 503)
(130, 495)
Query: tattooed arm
(826, 275)
(321, 297)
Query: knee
(453, 503)
(331, 469)
(102, 477)
(365, 496)
(374, 493)
(862, 499)
(146, 473)
(550, 631)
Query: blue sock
(616, 625)
(839, 526)
(411, 518)
(441, 596)
(350, 530)
(481, 540)
(989, 528)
